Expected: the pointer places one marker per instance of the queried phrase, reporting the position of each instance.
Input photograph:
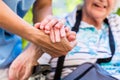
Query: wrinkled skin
(95, 11)
(22, 66)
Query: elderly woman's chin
(100, 14)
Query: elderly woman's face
(98, 8)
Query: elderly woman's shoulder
(114, 16)
(114, 21)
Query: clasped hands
(21, 68)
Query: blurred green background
(60, 7)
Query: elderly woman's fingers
(52, 36)
(60, 23)
(71, 35)
(60, 26)
(45, 21)
(37, 25)
(62, 32)
(28, 72)
(57, 34)
(54, 27)
(50, 25)
(67, 29)
(57, 30)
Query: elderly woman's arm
(21, 68)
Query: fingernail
(57, 40)
(63, 35)
(47, 32)
(53, 41)
(47, 28)
(41, 27)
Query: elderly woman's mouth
(99, 5)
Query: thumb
(11, 74)
(37, 25)
(28, 72)
(71, 36)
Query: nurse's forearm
(13, 23)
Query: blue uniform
(10, 44)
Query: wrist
(34, 52)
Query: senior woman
(92, 37)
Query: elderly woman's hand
(56, 29)
(58, 34)
(22, 66)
